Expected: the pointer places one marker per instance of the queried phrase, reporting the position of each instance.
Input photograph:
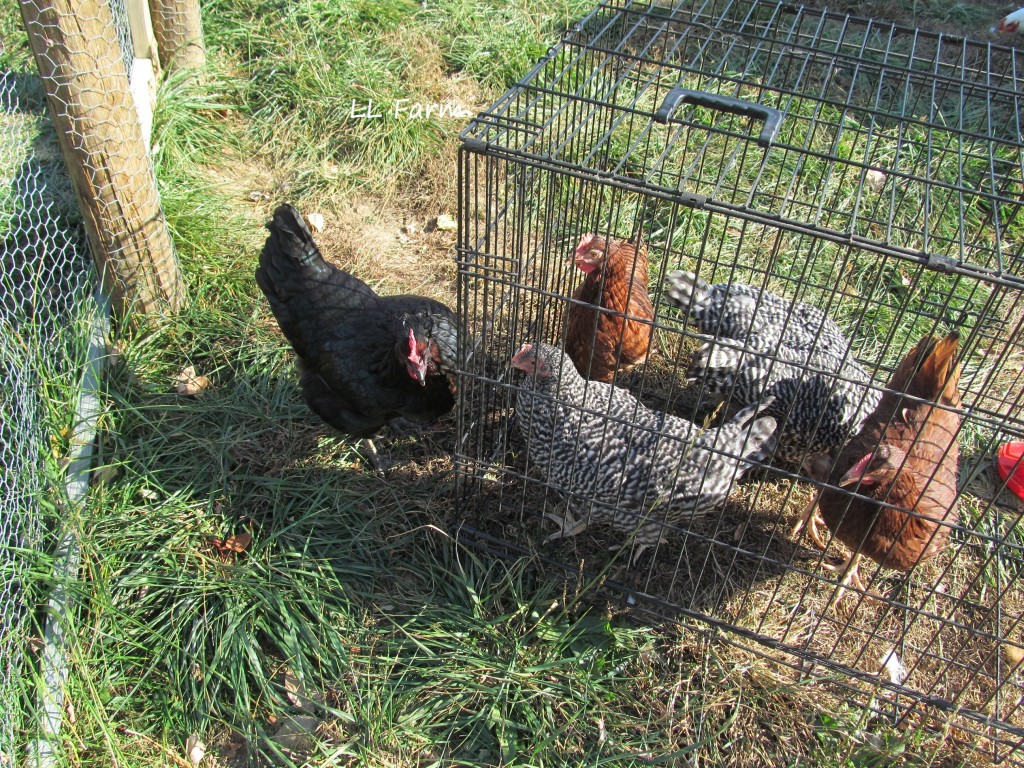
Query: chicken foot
(568, 526)
(811, 520)
(377, 464)
(640, 549)
(850, 568)
(401, 427)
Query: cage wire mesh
(872, 171)
(46, 311)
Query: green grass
(314, 69)
(880, 297)
(418, 650)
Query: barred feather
(764, 346)
(643, 468)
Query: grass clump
(498, 42)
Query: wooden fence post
(179, 33)
(76, 49)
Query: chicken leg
(377, 464)
(568, 526)
(640, 549)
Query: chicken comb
(585, 242)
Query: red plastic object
(1009, 461)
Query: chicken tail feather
(942, 367)
(933, 373)
(290, 247)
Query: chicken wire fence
(44, 295)
(47, 313)
(871, 171)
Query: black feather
(351, 342)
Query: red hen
(610, 328)
(905, 455)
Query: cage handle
(679, 95)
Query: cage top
(900, 141)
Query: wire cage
(869, 170)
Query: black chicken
(365, 359)
(765, 346)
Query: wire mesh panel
(46, 281)
(869, 176)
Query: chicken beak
(855, 473)
(521, 359)
(421, 373)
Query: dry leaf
(114, 353)
(195, 749)
(316, 221)
(874, 741)
(227, 752)
(296, 733)
(105, 474)
(1014, 654)
(300, 696)
(875, 180)
(233, 545)
(189, 383)
(58, 442)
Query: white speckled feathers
(598, 441)
(765, 346)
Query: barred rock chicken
(905, 455)
(365, 359)
(645, 469)
(765, 346)
(600, 343)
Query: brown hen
(905, 455)
(601, 342)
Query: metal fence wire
(46, 308)
(871, 171)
